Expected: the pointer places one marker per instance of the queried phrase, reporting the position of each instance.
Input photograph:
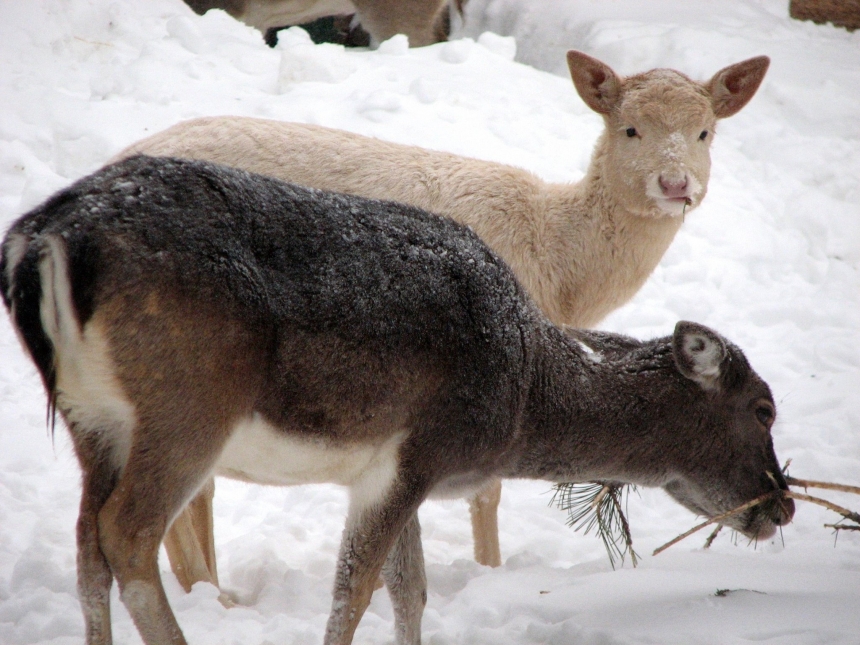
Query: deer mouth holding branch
(191, 320)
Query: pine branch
(600, 506)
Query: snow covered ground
(771, 259)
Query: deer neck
(603, 251)
(586, 420)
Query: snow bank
(771, 259)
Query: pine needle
(600, 506)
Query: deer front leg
(370, 533)
(484, 509)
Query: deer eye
(631, 132)
(765, 414)
(704, 135)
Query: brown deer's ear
(699, 353)
(595, 81)
(732, 87)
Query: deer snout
(674, 187)
(784, 511)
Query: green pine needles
(600, 506)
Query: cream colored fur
(581, 250)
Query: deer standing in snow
(190, 319)
(581, 250)
(423, 21)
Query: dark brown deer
(189, 319)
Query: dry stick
(713, 536)
(792, 481)
(720, 518)
(808, 483)
(844, 512)
(842, 527)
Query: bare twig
(713, 536)
(844, 512)
(809, 483)
(720, 518)
(842, 527)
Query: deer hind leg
(404, 577)
(158, 479)
(190, 541)
(94, 574)
(484, 509)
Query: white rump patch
(88, 392)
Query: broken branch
(809, 483)
(844, 512)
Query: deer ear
(732, 88)
(699, 353)
(596, 83)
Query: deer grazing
(190, 319)
(581, 250)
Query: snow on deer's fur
(190, 319)
(581, 250)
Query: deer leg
(404, 577)
(484, 509)
(94, 574)
(202, 519)
(370, 533)
(155, 484)
(187, 559)
(418, 19)
(190, 541)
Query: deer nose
(674, 188)
(784, 511)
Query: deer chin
(753, 525)
(674, 206)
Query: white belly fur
(257, 452)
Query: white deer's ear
(596, 83)
(699, 353)
(732, 88)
